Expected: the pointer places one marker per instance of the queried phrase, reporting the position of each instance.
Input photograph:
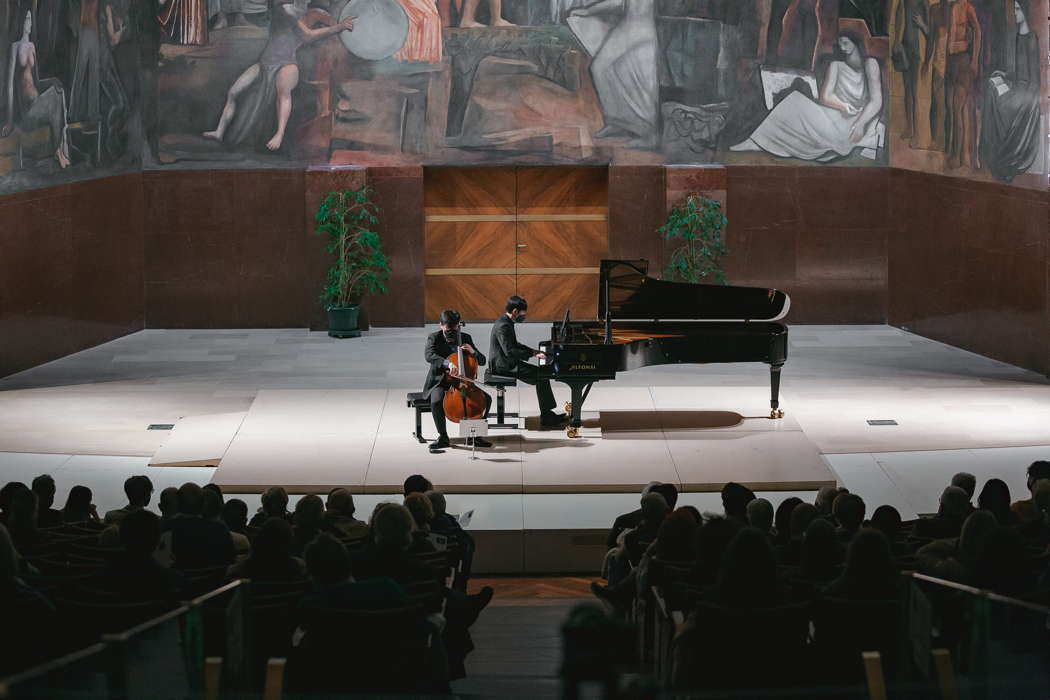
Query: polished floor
(310, 412)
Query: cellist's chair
(500, 383)
(418, 400)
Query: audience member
(782, 520)
(392, 528)
(445, 524)
(79, 508)
(339, 515)
(968, 483)
(735, 498)
(133, 573)
(950, 515)
(1002, 564)
(848, 511)
(307, 522)
(628, 521)
(995, 498)
(956, 558)
(22, 522)
(633, 543)
(138, 489)
(821, 553)
(714, 538)
(274, 504)
(7, 494)
(825, 499)
(422, 514)
(803, 514)
(168, 503)
(887, 520)
(192, 541)
(29, 617)
(235, 516)
(670, 494)
(44, 488)
(417, 483)
(271, 558)
(760, 516)
(870, 573)
(213, 505)
(748, 575)
(1037, 532)
(331, 570)
(1026, 509)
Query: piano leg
(579, 395)
(774, 391)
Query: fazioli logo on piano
(580, 366)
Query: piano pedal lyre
(776, 413)
(573, 431)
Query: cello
(464, 399)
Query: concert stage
(252, 409)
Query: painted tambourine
(380, 28)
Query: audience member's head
(340, 502)
(392, 527)
(44, 488)
(975, 529)
(140, 533)
(419, 506)
(309, 512)
(138, 489)
(735, 498)
(1002, 565)
(870, 572)
(78, 506)
(967, 482)
(1037, 470)
(694, 512)
(273, 542)
(887, 520)
(235, 515)
(848, 510)
(760, 514)
(782, 519)
(275, 502)
(826, 499)
(23, 512)
(676, 539)
(801, 517)
(7, 494)
(212, 509)
(417, 483)
(714, 537)
(191, 500)
(649, 487)
(168, 503)
(327, 561)
(821, 552)
(1041, 498)
(747, 577)
(437, 502)
(216, 488)
(954, 503)
(654, 509)
(995, 498)
(669, 492)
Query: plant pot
(342, 322)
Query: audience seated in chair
(1026, 509)
(422, 514)
(955, 558)
(735, 498)
(848, 512)
(191, 541)
(825, 500)
(271, 558)
(948, 522)
(870, 573)
(446, 525)
(274, 505)
(44, 488)
(887, 520)
(819, 559)
(760, 516)
(631, 544)
(1002, 564)
(782, 521)
(133, 573)
(968, 483)
(22, 522)
(168, 503)
(307, 522)
(79, 508)
(790, 553)
(995, 498)
(331, 570)
(417, 483)
(138, 489)
(213, 505)
(235, 516)
(339, 515)
(25, 612)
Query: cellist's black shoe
(440, 444)
(482, 442)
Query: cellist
(440, 345)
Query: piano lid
(635, 295)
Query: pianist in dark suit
(441, 344)
(510, 359)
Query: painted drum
(380, 28)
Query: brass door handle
(523, 245)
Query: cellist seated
(440, 345)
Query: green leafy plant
(698, 224)
(349, 218)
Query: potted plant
(698, 225)
(349, 218)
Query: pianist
(509, 358)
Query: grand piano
(644, 321)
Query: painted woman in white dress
(845, 118)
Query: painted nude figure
(37, 102)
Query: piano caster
(776, 413)
(568, 408)
(572, 431)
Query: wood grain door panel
(562, 243)
(470, 191)
(470, 244)
(550, 295)
(476, 297)
(562, 190)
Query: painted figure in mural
(272, 77)
(1012, 125)
(236, 13)
(845, 118)
(423, 42)
(32, 102)
(624, 70)
(96, 93)
(911, 21)
(873, 12)
(964, 55)
(470, 8)
(798, 38)
(934, 73)
(185, 21)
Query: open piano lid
(633, 295)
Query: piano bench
(418, 400)
(500, 383)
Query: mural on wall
(94, 87)
(971, 76)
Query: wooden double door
(538, 232)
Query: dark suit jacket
(437, 349)
(504, 349)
